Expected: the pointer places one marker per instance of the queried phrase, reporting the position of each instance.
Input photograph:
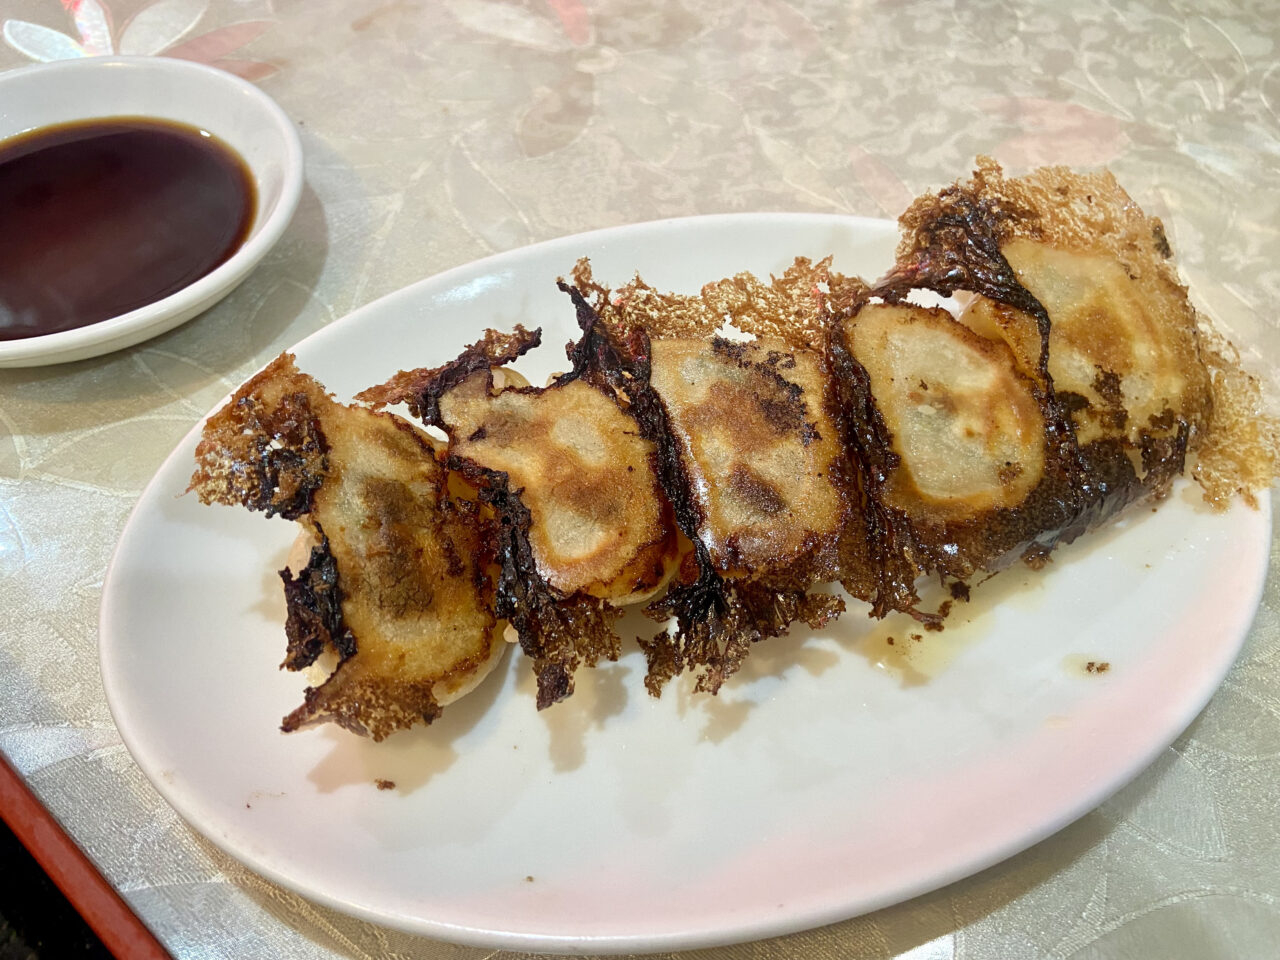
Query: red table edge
(81, 883)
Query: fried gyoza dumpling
(1123, 349)
(599, 523)
(751, 460)
(586, 527)
(963, 423)
(1072, 298)
(952, 439)
(396, 584)
(761, 455)
(1081, 287)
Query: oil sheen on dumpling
(967, 432)
(759, 449)
(599, 524)
(395, 584)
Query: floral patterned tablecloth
(439, 132)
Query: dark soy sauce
(100, 217)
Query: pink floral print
(160, 28)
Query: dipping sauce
(100, 217)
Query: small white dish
(234, 111)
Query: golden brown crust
(964, 423)
(396, 584)
(1124, 342)
(760, 451)
(421, 389)
(1239, 453)
(764, 523)
(1052, 205)
(571, 478)
(1073, 279)
(792, 308)
(600, 524)
(1073, 258)
(265, 448)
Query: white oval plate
(233, 110)
(830, 778)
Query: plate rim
(568, 240)
(747, 930)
